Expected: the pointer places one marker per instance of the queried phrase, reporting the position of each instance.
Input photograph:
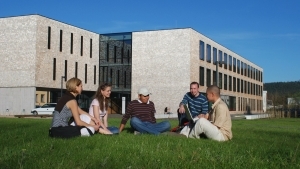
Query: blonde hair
(72, 83)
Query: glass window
(201, 53)
(76, 68)
(249, 71)
(230, 83)
(42, 98)
(125, 79)
(238, 85)
(49, 37)
(225, 82)
(115, 54)
(249, 87)
(234, 65)
(91, 48)
(81, 46)
(225, 60)
(85, 73)
(66, 70)
(220, 57)
(54, 68)
(242, 68)
(245, 69)
(95, 72)
(220, 81)
(107, 52)
(208, 77)
(214, 78)
(201, 77)
(230, 62)
(215, 56)
(118, 78)
(242, 86)
(234, 84)
(238, 66)
(208, 53)
(71, 45)
(36, 98)
(60, 40)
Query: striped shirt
(143, 111)
(197, 105)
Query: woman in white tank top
(99, 106)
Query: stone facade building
(39, 54)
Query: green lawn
(265, 143)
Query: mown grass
(265, 143)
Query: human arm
(121, 127)
(97, 116)
(105, 117)
(204, 108)
(126, 116)
(182, 103)
(72, 105)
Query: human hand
(181, 109)
(96, 127)
(202, 116)
(97, 122)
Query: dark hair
(215, 89)
(194, 83)
(100, 98)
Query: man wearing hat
(142, 112)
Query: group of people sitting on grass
(69, 120)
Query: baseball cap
(144, 91)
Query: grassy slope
(24, 143)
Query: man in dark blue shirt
(196, 102)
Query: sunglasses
(146, 95)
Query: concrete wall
(16, 101)
(161, 62)
(17, 51)
(44, 56)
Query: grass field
(265, 143)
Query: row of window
(230, 83)
(254, 104)
(232, 63)
(76, 71)
(123, 57)
(71, 42)
(118, 78)
(42, 99)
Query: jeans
(147, 127)
(114, 130)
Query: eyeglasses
(146, 95)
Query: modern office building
(39, 54)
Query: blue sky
(266, 32)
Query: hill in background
(278, 92)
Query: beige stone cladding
(196, 63)
(17, 51)
(161, 62)
(45, 56)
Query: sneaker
(136, 133)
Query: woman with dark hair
(99, 106)
(66, 108)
